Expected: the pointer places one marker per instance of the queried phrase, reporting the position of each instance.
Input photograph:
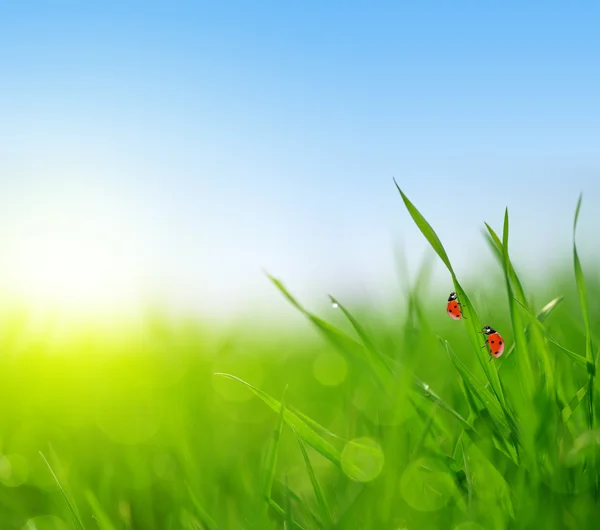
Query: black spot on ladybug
(455, 306)
(492, 342)
(500, 343)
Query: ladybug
(494, 341)
(454, 308)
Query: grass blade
(315, 426)
(271, 460)
(319, 494)
(350, 348)
(579, 359)
(309, 435)
(546, 311)
(77, 522)
(525, 370)
(284, 515)
(473, 324)
(202, 514)
(585, 310)
(103, 520)
(377, 360)
(574, 403)
(500, 248)
(484, 396)
(425, 431)
(426, 230)
(432, 396)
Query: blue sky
(210, 140)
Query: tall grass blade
(484, 396)
(500, 247)
(585, 310)
(426, 229)
(473, 323)
(271, 459)
(525, 370)
(76, 518)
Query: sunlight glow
(84, 267)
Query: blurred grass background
(164, 152)
(141, 433)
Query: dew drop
(335, 305)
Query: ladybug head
(487, 330)
(452, 296)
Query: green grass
(359, 421)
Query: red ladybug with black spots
(453, 308)
(494, 341)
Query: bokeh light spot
(13, 470)
(362, 459)
(426, 486)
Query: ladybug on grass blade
(494, 341)
(454, 308)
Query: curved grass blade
(350, 348)
(377, 360)
(546, 311)
(308, 434)
(585, 310)
(76, 518)
(319, 494)
(315, 426)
